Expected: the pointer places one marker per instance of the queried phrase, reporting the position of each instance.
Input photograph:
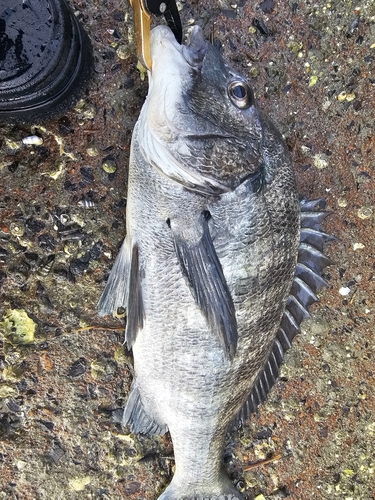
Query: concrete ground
(62, 213)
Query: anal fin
(139, 421)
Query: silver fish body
(209, 260)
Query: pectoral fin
(123, 289)
(201, 267)
(135, 315)
(114, 294)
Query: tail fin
(224, 491)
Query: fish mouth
(193, 52)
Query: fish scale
(220, 261)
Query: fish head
(200, 122)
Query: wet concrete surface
(64, 374)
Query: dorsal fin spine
(308, 279)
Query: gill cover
(199, 125)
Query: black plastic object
(45, 59)
(169, 10)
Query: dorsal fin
(315, 238)
(307, 280)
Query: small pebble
(77, 368)
(17, 229)
(342, 96)
(46, 362)
(119, 313)
(326, 104)
(342, 202)
(70, 248)
(32, 140)
(123, 52)
(57, 170)
(79, 483)
(294, 46)
(86, 203)
(320, 162)
(80, 105)
(349, 472)
(86, 111)
(142, 71)
(13, 145)
(56, 453)
(14, 373)
(365, 212)
(18, 327)
(92, 151)
(47, 264)
(254, 72)
(109, 166)
(313, 80)
(7, 391)
(358, 246)
(344, 290)
(89, 112)
(64, 218)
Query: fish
(220, 262)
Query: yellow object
(79, 483)
(142, 26)
(313, 81)
(17, 327)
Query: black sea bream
(219, 264)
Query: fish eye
(240, 94)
